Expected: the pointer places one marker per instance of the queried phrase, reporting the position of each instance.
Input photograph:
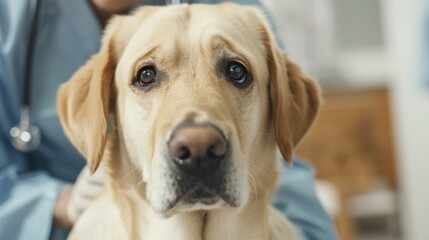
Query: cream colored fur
(185, 43)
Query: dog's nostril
(185, 153)
(211, 152)
(216, 150)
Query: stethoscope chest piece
(25, 136)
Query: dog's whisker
(139, 182)
(253, 184)
(252, 180)
(130, 172)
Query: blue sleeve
(296, 198)
(26, 198)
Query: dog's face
(192, 99)
(200, 94)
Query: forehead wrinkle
(222, 44)
(176, 41)
(162, 29)
(137, 58)
(222, 47)
(148, 53)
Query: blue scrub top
(68, 34)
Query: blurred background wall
(370, 144)
(406, 44)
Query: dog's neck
(250, 222)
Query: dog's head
(200, 95)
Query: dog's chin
(201, 204)
(197, 200)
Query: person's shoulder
(11, 10)
(11, 16)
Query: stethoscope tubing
(34, 11)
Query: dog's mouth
(201, 195)
(198, 197)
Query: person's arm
(296, 198)
(31, 202)
(27, 198)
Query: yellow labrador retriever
(198, 98)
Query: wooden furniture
(351, 144)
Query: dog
(183, 108)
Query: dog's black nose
(197, 149)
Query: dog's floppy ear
(295, 97)
(83, 102)
(295, 100)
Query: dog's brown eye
(236, 72)
(146, 76)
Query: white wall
(336, 41)
(411, 113)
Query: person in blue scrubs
(68, 33)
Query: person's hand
(86, 188)
(60, 209)
(72, 201)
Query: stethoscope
(26, 136)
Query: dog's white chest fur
(105, 220)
